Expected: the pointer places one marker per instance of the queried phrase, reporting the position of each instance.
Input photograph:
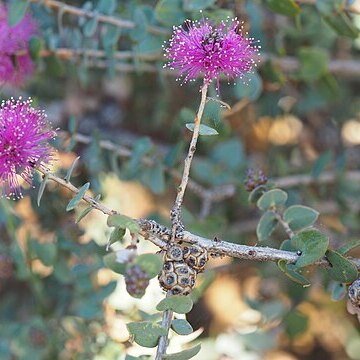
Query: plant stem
(284, 224)
(163, 341)
(176, 210)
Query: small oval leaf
(181, 327)
(150, 263)
(342, 269)
(272, 198)
(77, 198)
(146, 333)
(203, 129)
(266, 225)
(111, 263)
(42, 188)
(123, 221)
(312, 244)
(178, 303)
(183, 355)
(299, 217)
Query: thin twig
(163, 341)
(287, 63)
(283, 223)
(121, 23)
(176, 210)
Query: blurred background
(99, 77)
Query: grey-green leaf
(124, 222)
(111, 263)
(299, 217)
(272, 198)
(284, 7)
(150, 263)
(178, 303)
(292, 274)
(83, 214)
(42, 188)
(181, 327)
(342, 269)
(17, 10)
(146, 333)
(77, 198)
(266, 225)
(183, 355)
(203, 130)
(71, 169)
(352, 244)
(312, 244)
(116, 235)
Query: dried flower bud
(136, 280)
(354, 293)
(254, 178)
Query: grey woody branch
(160, 236)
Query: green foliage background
(53, 303)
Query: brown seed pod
(174, 253)
(354, 293)
(195, 256)
(177, 277)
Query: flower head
(200, 48)
(15, 62)
(24, 135)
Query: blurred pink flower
(15, 62)
(200, 48)
(24, 136)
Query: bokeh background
(102, 84)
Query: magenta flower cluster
(15, 62)
(200, 48)
(24, 136)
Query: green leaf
(111, 263)
(106, 7)
(295, 323)
(183, 355)
(313, 63)
(77, 198)
(338, 291)
(178, 303)
(266, 226)
(116, 235)
(17, 10)
(196, 5)
(272, 198)
(71, 169)
(83, 214)
(256, 194)
(146, 333)
(110, 36)
(313, 245)
(203, 130)
(292, 274)
(284, 7)
(42, 188)
(90, 27)
(181, 327)
(123, 222)
(35, 46)
(342, 269)
(342, 25)
(250, 89)
(150, 263)
(154, 177)
(299, 217)
(169, 12)
(352, 244)
(321, 163)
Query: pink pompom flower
(24, 136)
(15, 61)
(201, 48)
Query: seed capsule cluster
(354, 293)
(182, 263)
